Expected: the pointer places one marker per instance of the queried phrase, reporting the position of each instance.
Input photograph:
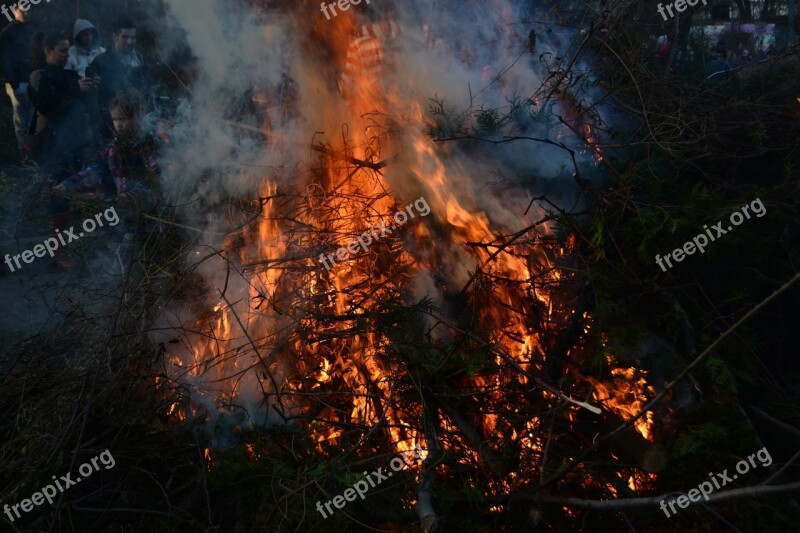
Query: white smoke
(453, 49)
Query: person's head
(125, 110)
(86, 38)
(124, 35)
(51, 48)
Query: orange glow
(288, 339)
(625, 395)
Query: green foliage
(597, 239)
(489, 120)
(759, 136)
(700, 440)
(656, 201)
(448, 121)
(722, 380)
(518, 116)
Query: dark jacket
(60, 108)
(15, 52)
(718, 65)
(116, 76)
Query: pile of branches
(351, 361)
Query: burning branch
(350, 159)
(475, 439)
(577, 174)
(519, 369)
(582, 456)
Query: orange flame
(292, 338)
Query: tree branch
(630, 503)
(578, 460)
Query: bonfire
(462, 333)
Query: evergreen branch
(578, 460)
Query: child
(126, 166)
(126, 170)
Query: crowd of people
(73, 99)
(78, 98)
(724, 58)
(721, 58)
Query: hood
(83, 24)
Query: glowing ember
(288, 341)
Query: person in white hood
(85, 46)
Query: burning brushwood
(455, 330)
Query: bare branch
(631, 503)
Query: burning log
(350, 159)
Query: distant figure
(718, 64)
(719, 48)
(122, 68)
(85, 46)
(663, 48)
(746, 57)
(768, 46)
(601, 26)
(15, 67)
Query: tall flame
(297, 342)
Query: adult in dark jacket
(122, 68)
(15, 67)
(60, 98)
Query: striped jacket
(365, 55)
